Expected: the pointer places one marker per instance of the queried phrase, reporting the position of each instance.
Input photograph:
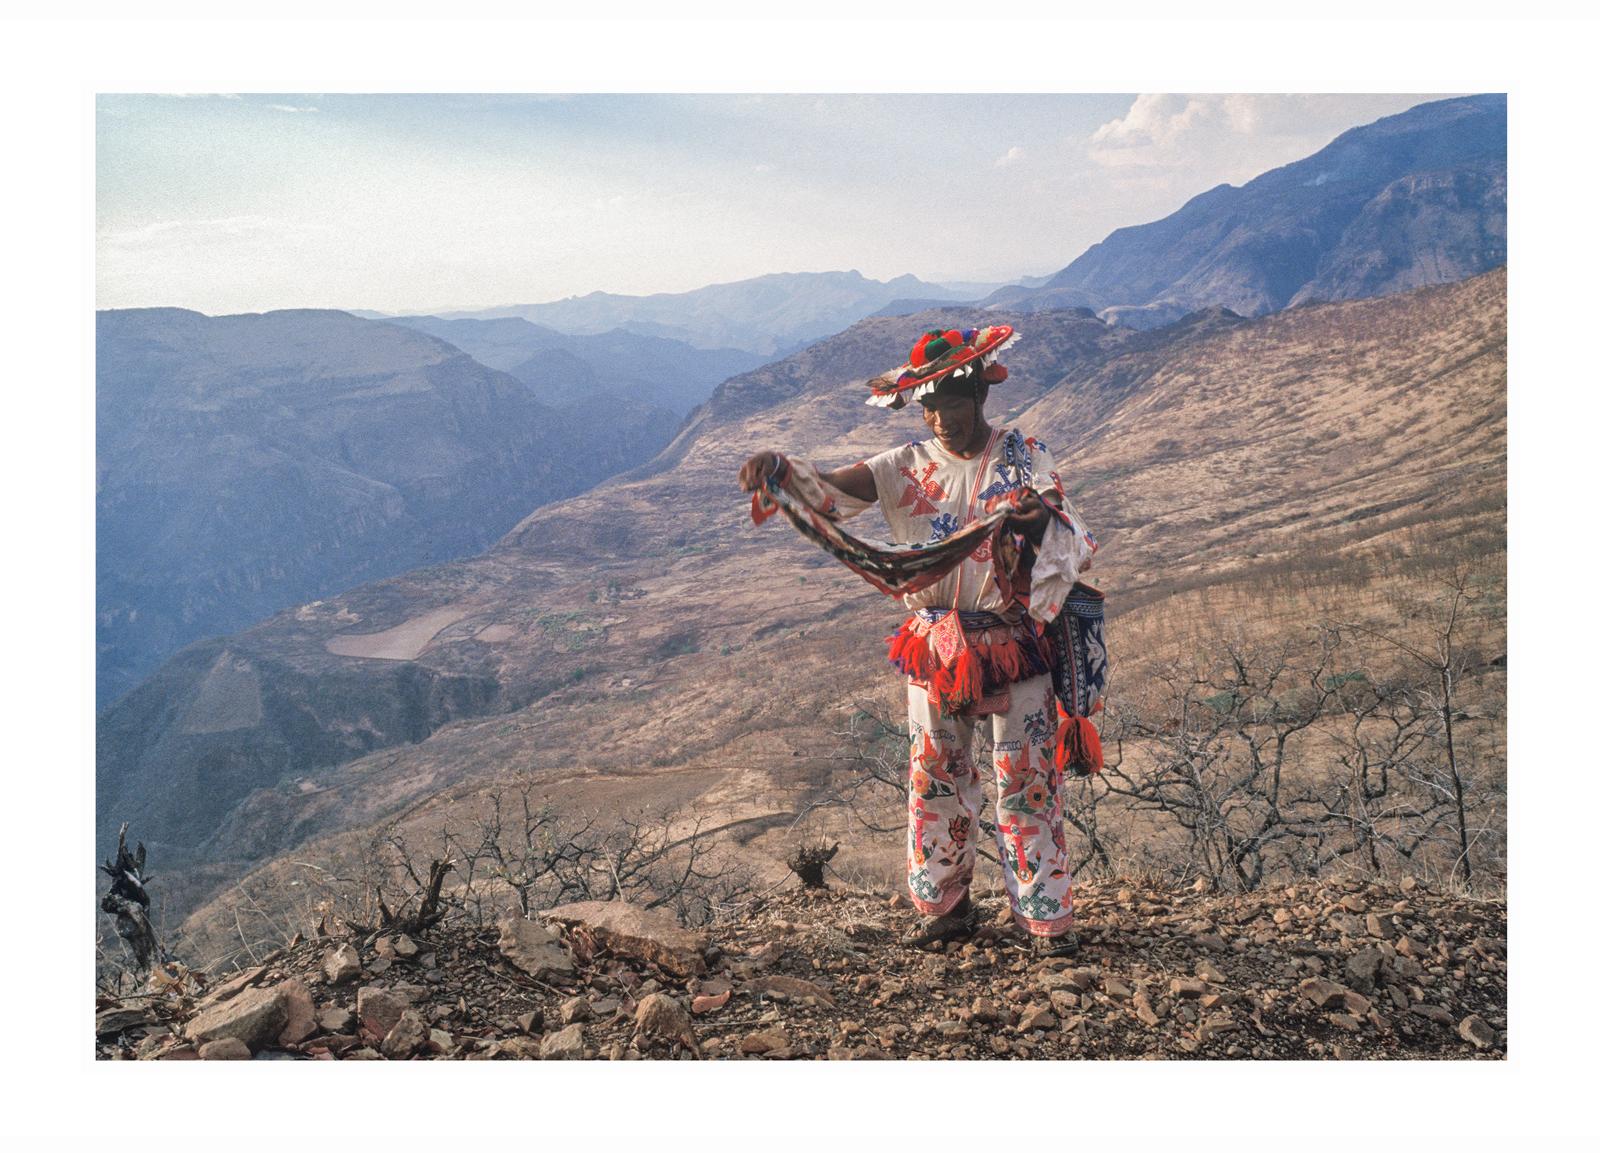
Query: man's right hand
(757, 469)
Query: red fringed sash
(990, 661)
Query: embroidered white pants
(946, 796)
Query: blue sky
(414, 202)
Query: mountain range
(1410, 200)
(766, 315)
(245, 463)
(602, 370)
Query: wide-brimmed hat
(937, 354)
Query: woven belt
(970, 619)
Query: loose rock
(1322, 993)
(379, 1009)
(225, 1049)
(574, 1009)
(301, 1012)
(766, 1041)
(1478, 1031)
(406, 1038)
(535, 949)
(705, 1003)
(341, 964)
(334, 1019)
(659, 1015)
(1036, 1017)
(563, 1045)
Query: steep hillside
(1407, 201)
(633, 634)
(246, 463)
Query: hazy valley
(643, 646)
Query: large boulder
(652, 935)
(255, 1016)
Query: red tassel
(1078, 747)
(956, 686)
(967, 684)
(1007, 659)
(909, 650)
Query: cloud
(1152, 128)
(1251, 132)
(764, 168)
(1013, 154)
(290, 108)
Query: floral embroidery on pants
(946, 797)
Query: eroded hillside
(644, 646)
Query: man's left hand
(1029, 517)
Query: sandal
(1064, 945)
(958, 923)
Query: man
(988, 658)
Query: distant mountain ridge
(1408, 201)
(248, 463)
(767, 315)
(566, 371)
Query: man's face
(953, 420)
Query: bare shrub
(512, 854)
(655, 859)
(1251, 759)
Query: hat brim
(894, 388)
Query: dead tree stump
(129, 902)
(808, 863)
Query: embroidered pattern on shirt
(921, 492)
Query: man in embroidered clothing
(975, 646)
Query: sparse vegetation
(516, 853)
(1247, 761)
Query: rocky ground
(1337, 969)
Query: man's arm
(854, 481)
